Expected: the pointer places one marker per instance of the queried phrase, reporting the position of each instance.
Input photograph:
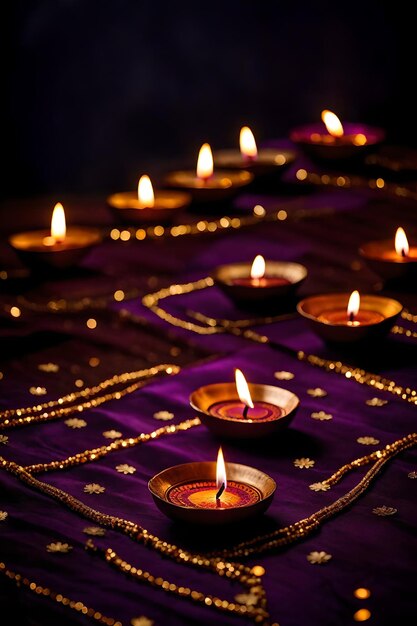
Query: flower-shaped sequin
(283, 375)
(318, 558)
(58, 546)
(412, 475)
(95, 531)
(249, 599)
(322, 416)
(4, 439)
(164, 416)
(126, 469)
(75, 422)
(112, 434)
(317, 392)
(384, 511)
(94, 488)
(319, 487)
(376, 402)
(48, 367)
(37, 391)
(141, 621)
(3, 515)
(304, 463)
(368, 441)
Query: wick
(351, 317)
(220, 491)
(245, 411)
(403, 254)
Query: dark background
(95, 92)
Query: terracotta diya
(392, 260)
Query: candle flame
(247, 143)
(401, 242)
(332, 123)
(221, 478)
(205, 162)
(243, 389)
(58, 224)
(145, 192)
(353, 305)
(258, 267)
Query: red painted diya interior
(233, 410)
(265, 281)
(202, 495)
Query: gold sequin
(112, 434)
(141, 621)
(283, 375)
(48, 367)
(58, 546)
(4, 439)
(318, 558)
(163, 415)
(94, 488)
(94, 361)
(304, 463)
(384, 511)
(367, 441)
(376, 402)
(95, 531)
(3, 515)
(322, 416)
(126, 469)
(319, 487)
(75, 422)
(412, 475)
(37, 391)
(317, 392)
(249, 599)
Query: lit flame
(221, 478)
(258, 268)
(58, 225)
(205, 162)
(243, 389)
(145, 192)
(247, 143)
(401, 242)
(332, 123)
(353, 305)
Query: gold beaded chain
(45, 412)
(359, 375)
(94, 454)
(46, 592)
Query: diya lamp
(391, 259)
(260, 162)
(261, 281)
(338, 317)
(145, 205)
(212, 493)
(334, 140)
(59, 248)
(242, 411)
(208, 184)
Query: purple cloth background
(367, 550)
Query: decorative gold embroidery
(58, 546)
(75, 422)
(37, 391)
(284, 375)
(304, 463)
(317, 392)
(368, 441)
(321, 415)
(376, 402)
(3, 515)
(318, 558)
(249, 599)
(141, 621)
(95, 531)
(4, 439)
(126, 469)
(319, 487)
(412, 475)
(384, 510)
(48, 367)
(163, 415)
(94, 488)
(112, 434)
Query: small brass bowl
(389, 266)
(224, 184)
(318, 144)
(269, 161)
(233, 428)
(225, 275)
(79, 241)
(167, 205)
(161, 485)
(312, 308)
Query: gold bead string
(94, 454)
(21, 580)
(45, 412)
(400, 330)
(75, 305)
(410, 317)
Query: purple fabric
(367, 550)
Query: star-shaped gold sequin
(304, 463)
(37, 391)
(48, 367)
(412, 475)
(322, 416)
(384, 510)
(317, 392)
(368, 441)
(58, 546)
(4, 439)
(283, 375)
(165, 416)
(94, 488)
(319, 487)
(141, 621)
(249, 599)
(376, 402)
(112, 434)
(318, 558)
(126, 469)
(3, 515)
(75, 422)
(95, 531)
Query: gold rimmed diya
(391, 259)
